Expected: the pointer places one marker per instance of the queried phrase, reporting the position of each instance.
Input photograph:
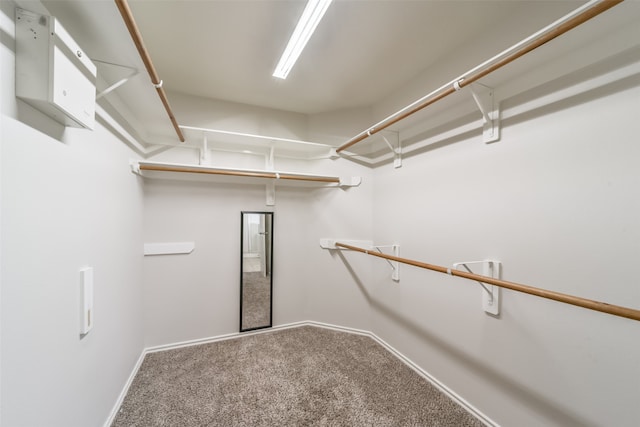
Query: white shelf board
(222, 140)
(170, 248)
(161, 170)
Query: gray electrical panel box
(52, 73)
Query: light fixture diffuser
(311, 16)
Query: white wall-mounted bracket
(170, 248)
(394, 146)
(270, 188)
(490, 293)
(395, 265)
(135, 167)
(351, 181)
(490, 110)
(204, 151)
(330, 244)
(270, 159)
(132, 73)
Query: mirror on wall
(256, 260)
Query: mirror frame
(242, 216)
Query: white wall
(197, 295)
(556, 201)
(69, 200)
(235, 117)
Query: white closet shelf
(549, 68)
(162, 170)
(241, 142)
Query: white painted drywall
(235, 117)
(556, 200)
(3, 22)
(69, 200)
(196, 296)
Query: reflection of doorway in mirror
(253, 244)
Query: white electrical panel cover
(52, 73)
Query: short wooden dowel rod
(248, 174)
(603, 307)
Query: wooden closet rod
(249, 174)
(616, 310)
(579, 16)
(127, 16)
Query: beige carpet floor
(304, 376)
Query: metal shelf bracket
(395, 147)
(490, 110)
(204, 151)
(132, 73)
(270, 188)
(395, 265)
(490, 293)
(395, 250)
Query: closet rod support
(579, 16)
(456, 265)
(395, 265)
(615, 310)
(204, 151)
(490, 293)
(396, 151)
(270, 191)
(132, 73)
(489, 108)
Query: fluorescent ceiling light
(313, 13)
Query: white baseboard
(217, 338)
(173, 346)
(125, 390)
(427, 376)
(437, 384)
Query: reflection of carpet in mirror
(255, 300)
